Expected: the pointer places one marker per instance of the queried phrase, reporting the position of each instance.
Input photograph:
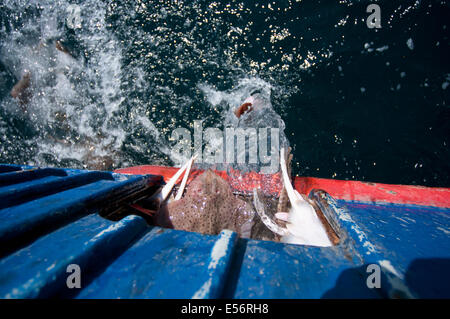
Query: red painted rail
(339, 189)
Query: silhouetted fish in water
(60, 47)
(21, 91)
(245, 107)
(208, 207)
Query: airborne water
(356, 103)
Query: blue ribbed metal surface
(411, 242)
(49, 220)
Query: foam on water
(60, 84)
(75, 100)
(140, 71)
(257, 92)
(123, 89)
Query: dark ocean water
(357, 103)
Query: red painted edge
(338, 189)
(376, 192)
(244, 182)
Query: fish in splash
(208, 207)
(304, 226)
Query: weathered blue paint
(4, 168)
(19, 193)
(411, 244)
(167, 263)
(55, 211)
(27, 175)
(39, 270)
(43, 212)
(274, 270)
